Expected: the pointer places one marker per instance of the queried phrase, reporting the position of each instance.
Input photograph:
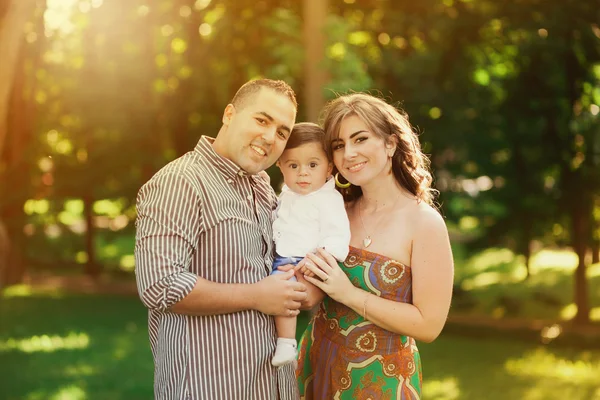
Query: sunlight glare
(569, 311)
(57, 17)
(80, 370)
(562, 259)
(595, 314)
(543, 363)
(491, 257)
(70, 392)
(47, 344)
(205, 29)
(127, 262)
(201, 4)
(441, 389)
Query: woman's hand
(331, 279)
(315, 295)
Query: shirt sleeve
(167, 229)
(335, 227)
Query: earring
(340, 184)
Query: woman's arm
(432, 274)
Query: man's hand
(278, 295)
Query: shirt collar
(224, 165)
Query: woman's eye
(338, 146)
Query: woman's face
(359, 154)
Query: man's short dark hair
(252, 88)
(304, 133)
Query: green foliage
(505, 95)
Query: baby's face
(305, 168)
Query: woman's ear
(392, 144)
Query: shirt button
(249, 197)
(229, 180)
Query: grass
(493, 283)
(59, 346)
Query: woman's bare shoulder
(423, 215)
(428, 221)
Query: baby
(310, 214)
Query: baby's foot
(285, 352)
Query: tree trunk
(580, 226)
(16, 171)
(527, 254)
(315, 77)
(92, 267)
(13, 15)
(12, 20)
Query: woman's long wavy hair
(409, 165)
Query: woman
(396, 283)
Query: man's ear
(228, 114)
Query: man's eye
(261, 121)
(281, 134)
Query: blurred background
(97, 95)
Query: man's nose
(269, 134)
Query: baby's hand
(301, 267)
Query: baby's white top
(304, 223)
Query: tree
(13, 15)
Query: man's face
(255, 135)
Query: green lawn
(492, 283)
(68, 347)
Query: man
(204, 252)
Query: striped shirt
(201, 215)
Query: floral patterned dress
(343, 356)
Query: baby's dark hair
(304, 133)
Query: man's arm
(168, 227)
(274, 295)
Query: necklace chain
(367, 239)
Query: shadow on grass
(75, 347)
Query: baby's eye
(313, 165)
(293, 166)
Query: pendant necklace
(368, 240)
